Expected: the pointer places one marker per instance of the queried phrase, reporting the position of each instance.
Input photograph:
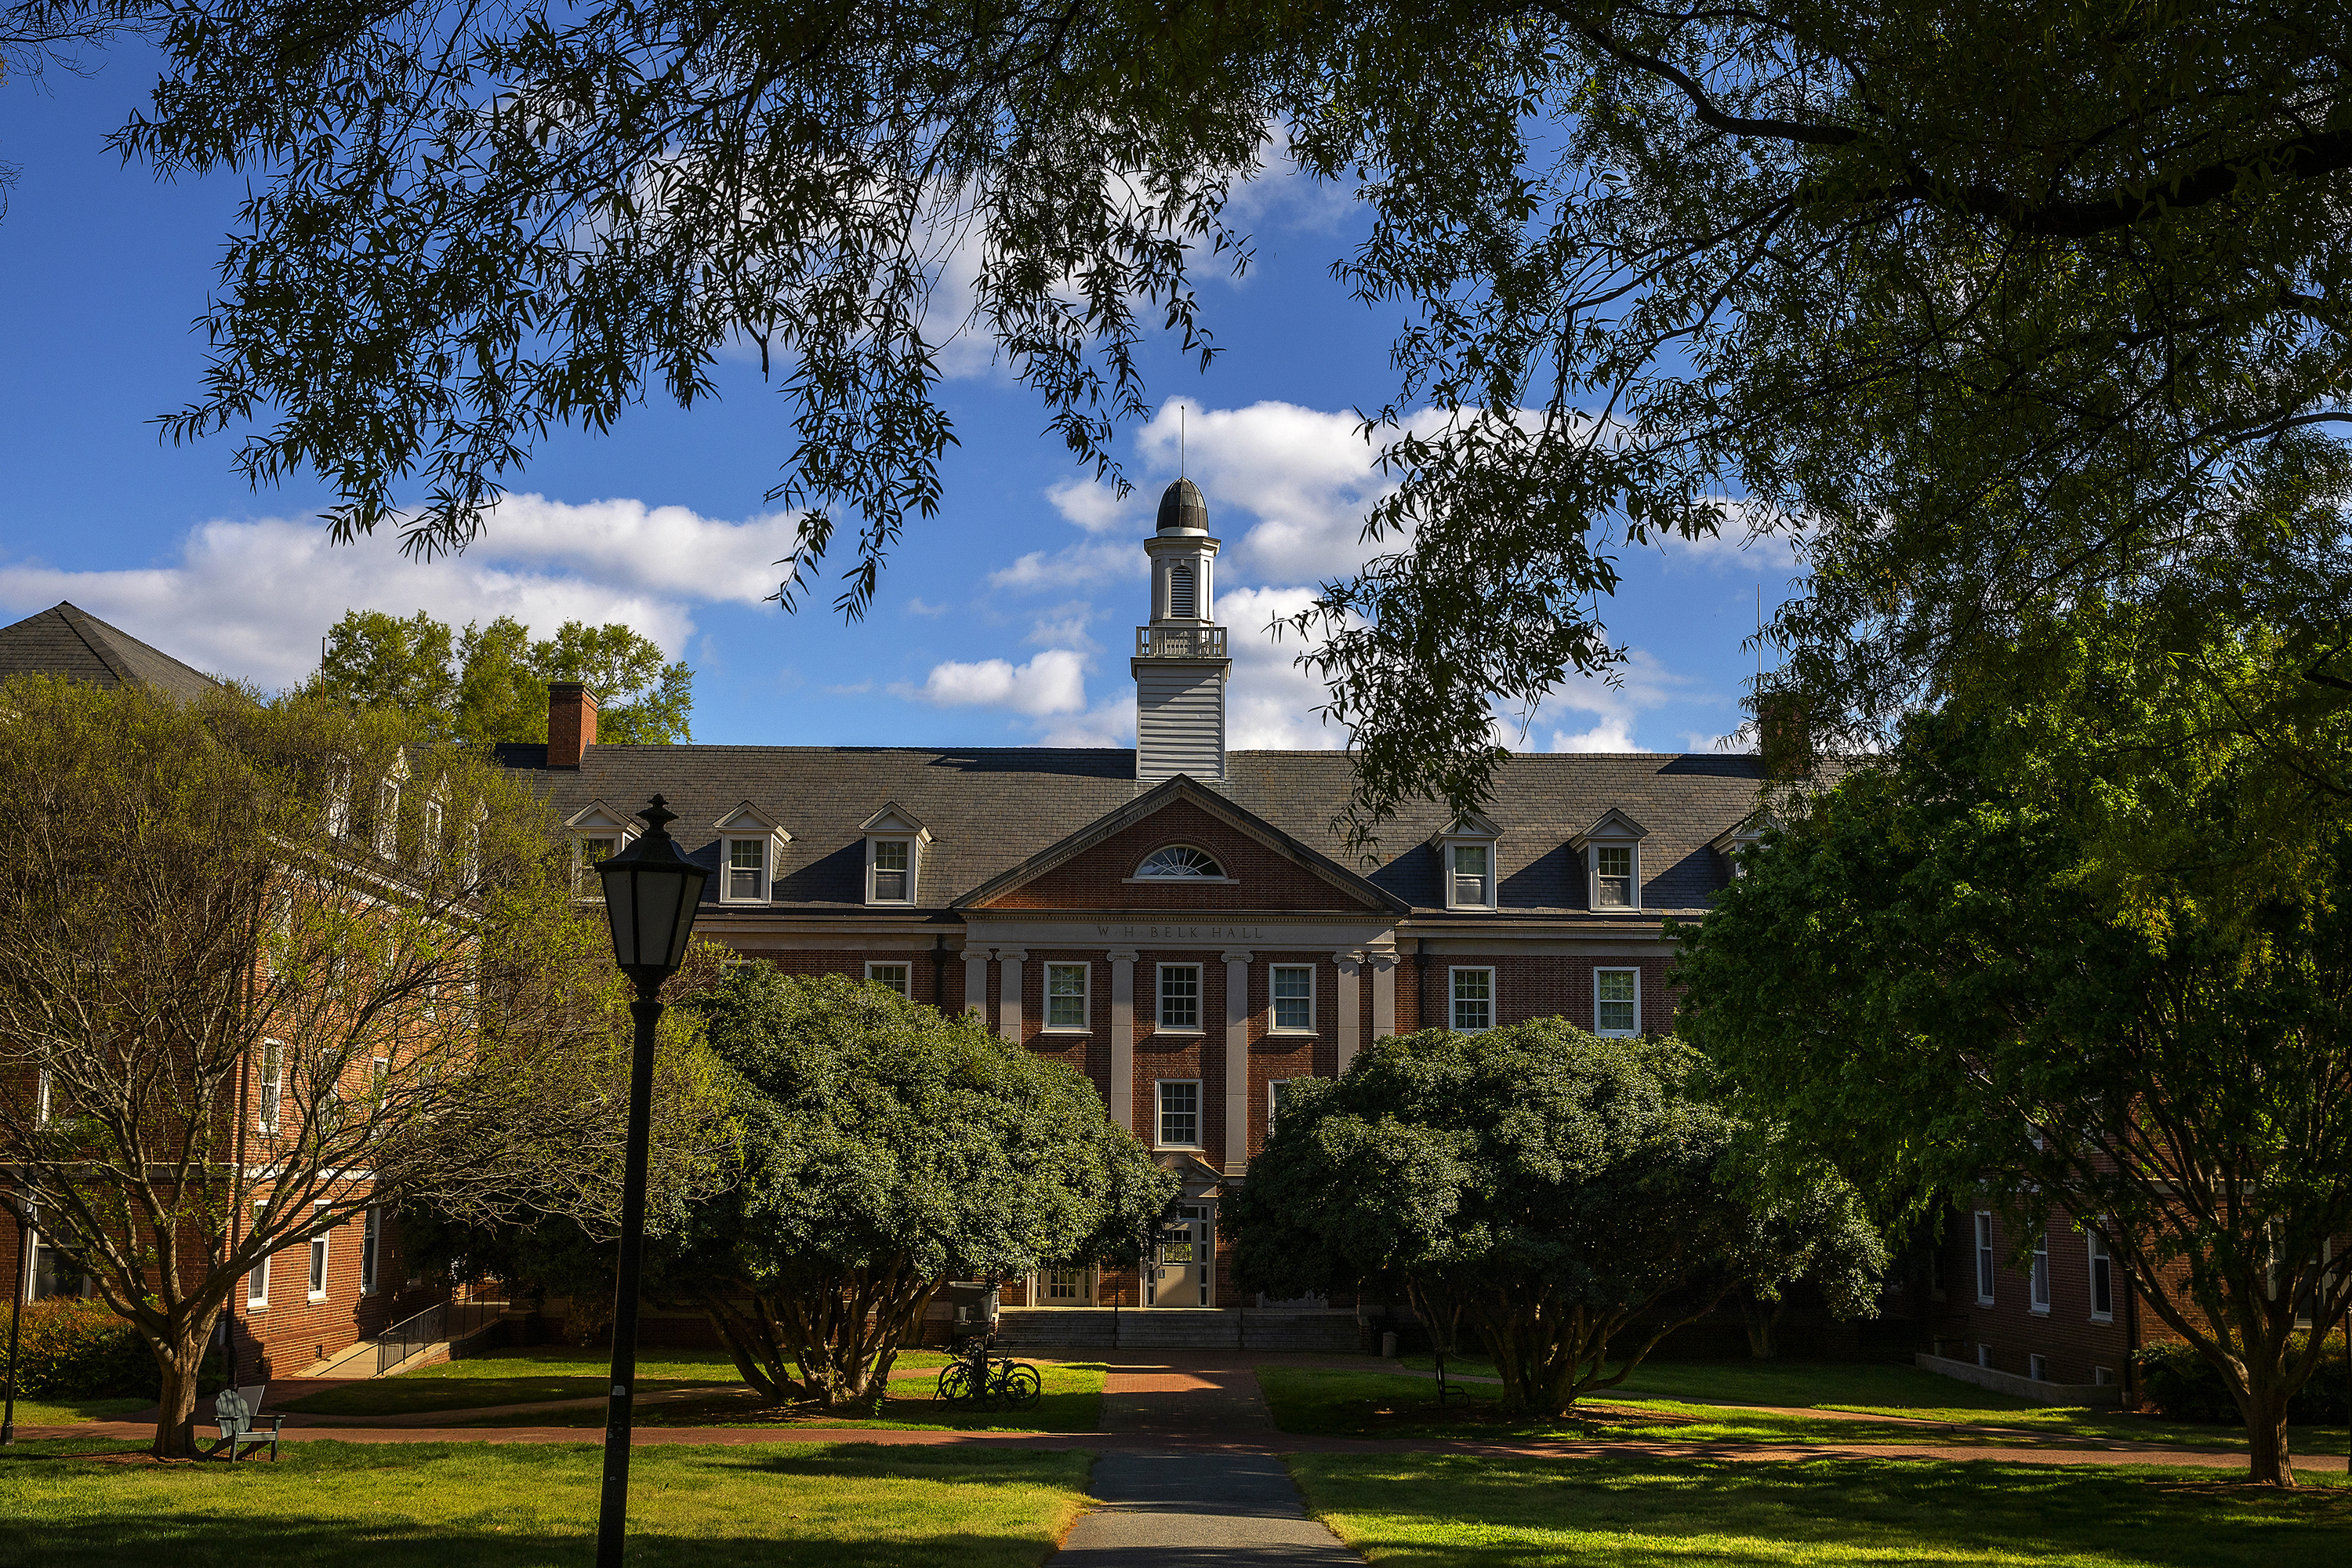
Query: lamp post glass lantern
(651, 895)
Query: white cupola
(1180, 662)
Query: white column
(1008, 1023)
(1350, 1006)
(1122, 1037)
(975, 981)
(1237, 1085)
(1383, 994)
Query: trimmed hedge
(2183, 1385)
(77, 1348)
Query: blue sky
(1003, 621)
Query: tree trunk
(180, 1356)
(2264, 1408)
(1763, 1325)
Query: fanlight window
(1178, 861)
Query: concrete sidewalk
(1174, 1509)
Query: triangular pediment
(1614, 826)
(1182, 792)
(746, 816)
(598, 818)
(1466, 825)
(1746, 831)
(895, 818)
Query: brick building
(345, 1281)
(1178, 923)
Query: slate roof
(991, 808)
(67, 640)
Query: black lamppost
(651, 892)
(17, 1329)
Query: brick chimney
(570, 722)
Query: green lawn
(1889, 1389)
(65, 1412)
(524, 1376)
(1450, 1511)
(1072, 1403)
(534, 1506)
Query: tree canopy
(2079, 945)
(489, 683)
(886, 1149)
(1567, 1194)
(1987, 305)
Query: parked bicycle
(986, 1383)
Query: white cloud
(1064, 626)
(1093, 561)
(251, 599)
(1053, 682)
(1270, 702)
(919, 607)
(1642, 684)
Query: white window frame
(1159, 999)
(387, 818)
(1274, 1097)
(1984, 1355)
(2098, 1259)
(1455, 999)
(339, 802)
(319, 1259)
(1981, 1234)
(429, 852)
(1085, 998)
(763, 878)
(585, 884)
(1274, 999)
(1632, 848)
(1159, 1113)
(272, 1089)
(256, 1300)
(1454, 874)
(1089, 1285)
(370, 1247)
(907, 986)
(1634, 970)
(2037, 1367)
(874, 870)
(2037, 1294)
(41, 1101)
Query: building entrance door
(1183, 1270)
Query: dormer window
(387, 810)
(750, 844)
(1178, 861)
(1612, 852)
(1466, 859)
(339, 802)
(597, 832)
(1731, 842)
(894, 856)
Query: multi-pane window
(892, 871)
(370, 1249)
(1277, 1094)
(1616, 1001)
(272, 1088)
(257, 1284)
(1613, 877)
(318, 1256)
(2040, 1275)
(1180, 1113)
(1066, 1287)
(2103, 1278)
(387, 819)
(1473, 876)
(1180, 860)
(429, 852)
(1065, 996)
(594, 847)
(747, 869)
(891, 977)
(1984, 1258)
(1294, 996)
(1180, 995)
(1473, 999)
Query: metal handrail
(1180, 642)
(456, 1321)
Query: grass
(1632, 1512)
(528, 1376)
(525, 1506)
(1072, 1402)
(1888, 1389)
(66, 1412)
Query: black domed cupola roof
(1182, 510)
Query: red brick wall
(1544, 985)
(1097, 880)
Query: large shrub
(2177, 1381)
(74, 1348)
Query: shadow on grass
(1636, 1511)
(1072, 1403)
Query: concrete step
(1176, 1328)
